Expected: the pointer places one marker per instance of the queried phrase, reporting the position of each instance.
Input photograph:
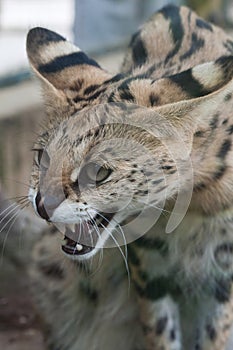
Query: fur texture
(157, 135)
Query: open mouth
(82, 238)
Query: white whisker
(120, 230)
(13, 218)
(121, 251)
(99, 235)
(15, 206)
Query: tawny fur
(178, 73)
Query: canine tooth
(79, 247)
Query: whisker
(99, 235)
(14, 198)
(153, 206)
(18, 182)
(120, 230)
(122, 254)
(4, 218)
(8, 211)
(92, 244)
(13, 218)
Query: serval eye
(94, 173)
(42, 159)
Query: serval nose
(47, 204)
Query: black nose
(47, 204)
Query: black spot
(153, 244)
(161, 325)
(124, 91)
(230, 130)
(229, 45)
(159, 287)
(90, 89)
(97, 131)
(126, 95)
(111, 98)
(219, 173)
(214, 121)
(197, 44)
(223, 231)
(203, 24)
(223, 290)
(228, 97)
(188, 83)
(139, 52)
(211, 332)
(227, 248)
(89, 98)
(61, 62)
(77, 85)
(154, 100)
(88, 291)
(156, 182)
(148, 173)
(172, 13)
(78, 98)
(199, 133)
(133, 258)
(95, 95)
(114, 79)
(52, 270)
(166, 167)
(172, 335)
(225, 121)
(224, 149)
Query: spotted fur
(178, 69)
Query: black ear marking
(62, 62)
(39, 36)
(62, 65)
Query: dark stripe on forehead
(61, 62)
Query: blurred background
(103, 29)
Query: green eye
(94, 173)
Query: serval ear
(198, 81)
(194, 102)
(68, 73)
(175, 39)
